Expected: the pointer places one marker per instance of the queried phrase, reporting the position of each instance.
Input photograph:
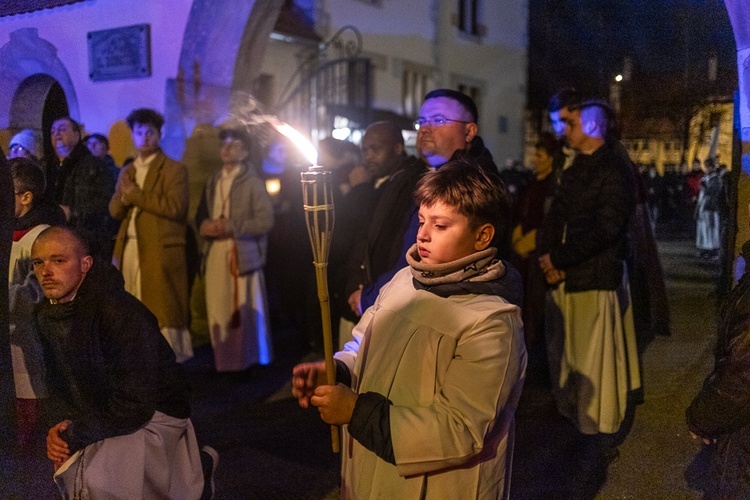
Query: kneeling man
(119, 398)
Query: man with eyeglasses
(447, 129)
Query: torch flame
(299, 140)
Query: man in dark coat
(118, 397)
(446, 130)
(82, 185)
(720, 412)
(583, 247)
(380, 250)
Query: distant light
(618, 78)
(273, 186)
(341, 133)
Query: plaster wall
(397, 33)
(100, 104)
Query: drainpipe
(437, 14)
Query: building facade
(200, 61)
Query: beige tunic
(453, 369)
(593, 356)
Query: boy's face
(146, 138)
(445, 235)
(22, 199)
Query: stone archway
(38, 101)
(29, 71)
(216, 35)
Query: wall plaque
(120, 53)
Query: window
(414, 79)
(502, 124)
(667, 146)
(468, 17)
(645, 146)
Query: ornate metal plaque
(120, 53)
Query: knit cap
(29, 140)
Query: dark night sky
(582, 43)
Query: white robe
(593, 356)
(236, 306)
(160, 460)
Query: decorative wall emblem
(120, 53)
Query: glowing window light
(273, 186)
(341, 133)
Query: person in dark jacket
(583, 246)
(719, 414)
(82, 185)
(381, 252)
(446, 130)
(118, 397)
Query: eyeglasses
(435, 121)
(17, 148)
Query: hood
(102, 278)
(478, 153)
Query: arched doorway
(37, 102)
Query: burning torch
(317, 197)
(318, 202)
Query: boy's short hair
(468, 189)
(27, 176)
(145, 116)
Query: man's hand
(127, 185)
(545, 263)
(359, 175)
(554, 276)
(305, 378)
(57, 449)
(335, 403)
(551, 274)
(354, 300)
(706, 441)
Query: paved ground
(272, 449)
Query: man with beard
(380, 253)
(119, 399)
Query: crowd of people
(444, 285)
